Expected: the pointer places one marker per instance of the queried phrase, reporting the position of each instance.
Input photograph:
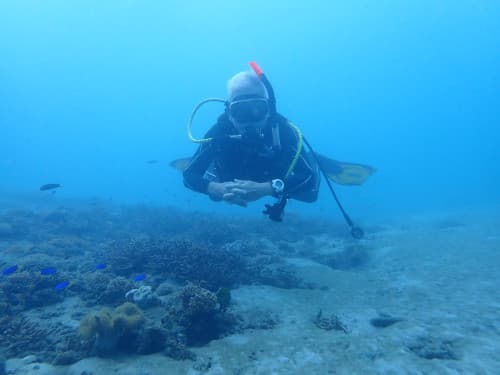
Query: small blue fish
(10, 270)
(48, 271)
(62, 285)
(140, 277)
(49, 187)
(101, 266)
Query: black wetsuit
(225, 159)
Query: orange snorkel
(270, 92)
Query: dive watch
(278, 186)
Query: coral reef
(25, 290)
(126, 319)
(329, 322)
(213, 230)
(142, 296)
(103, 288)
(176, 348)
(197, 316)
(210, 254)
(22, 336)
(116, 291)
(181, 260)
(19, 220)
(113, 330)
(197, 301)
(91, 286)
(128, 256)
(152, 340)
(164, 289)
(211, 268)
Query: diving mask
(245, 111)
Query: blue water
(92, 90)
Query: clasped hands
(239, 192)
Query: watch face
(278, 185)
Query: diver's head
(247, 105)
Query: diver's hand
(250, 191)
(234, 198)
(216, 190)
(222, 191)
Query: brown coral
(197, 300)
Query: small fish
(384, 321)
(49, 187)
(101, 266)
(10, 270)
(140, 277)
(48, 271)
(152, 161)
(62, 285)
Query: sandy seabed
(439, 282)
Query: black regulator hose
(356, 231)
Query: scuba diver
(254, 152)
(251, 152)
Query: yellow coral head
(88, 326)
(127, 317)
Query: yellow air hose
(300, 143)
(193, 113)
